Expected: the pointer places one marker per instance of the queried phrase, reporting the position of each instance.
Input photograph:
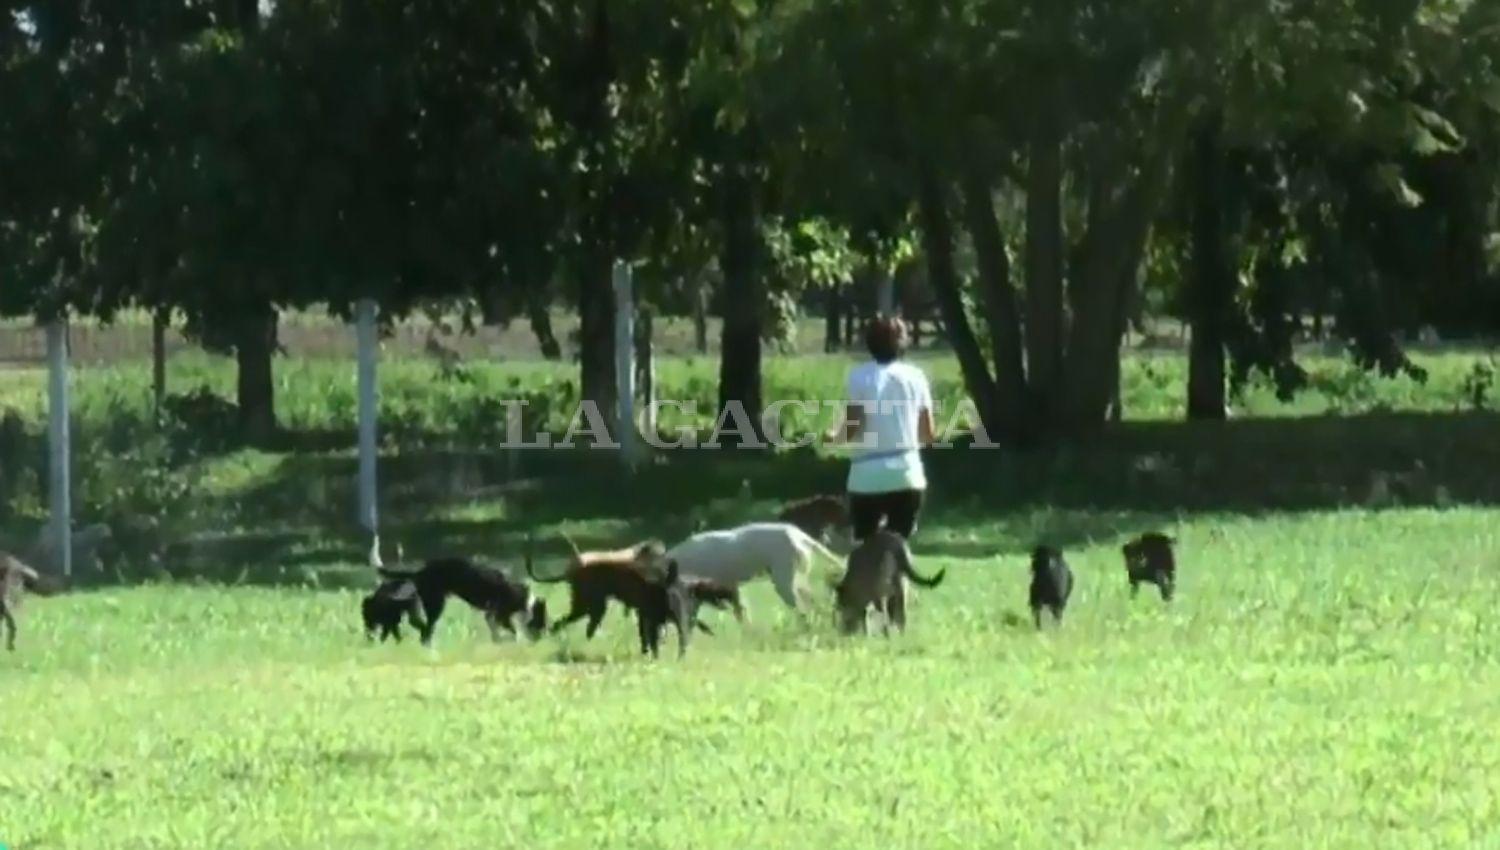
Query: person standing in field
(888, 418)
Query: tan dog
(16, 580)
(633, 579)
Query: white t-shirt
(886, 456)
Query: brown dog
(816, 515)
(874, 579)
(1149, 559)
(630, 578)
(16, 580)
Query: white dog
(734, 556)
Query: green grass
(1326, 678)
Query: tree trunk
(645, 369)
(854, 296)
(1044, 273)
(596, 333)
(1110, 254)
(1210, 281)
(700, 315)
(596, 296)
(255, 390)
(541, 325)
(740, 354)
(998, 299)
(1129, 298)
(937, 244)
(885, 293)
(159, 322)
(832, 319)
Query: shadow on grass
(981, 503)
(578, 658)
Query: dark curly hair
(885, 337)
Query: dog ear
(673, 575)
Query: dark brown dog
(874, 579)
(817, 515)
(17, 580)
(1149, 559)
(720, 596)
(631, 578)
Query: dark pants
(898, 509)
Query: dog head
(1150, 550)
(1043, 558)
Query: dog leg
(491, 620)
(574, 615)
(896, 606)
(434, 611)
(650, 634)
(787, 591)
(1135, 587)
(596, 616)
(702, 627)
(10, 629)
(1036, 617)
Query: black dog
(387, 605)
(1149, 559)
(500, 597)
(1051, 583)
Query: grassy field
(1327, 676)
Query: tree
(1302, 161)
(934, 109)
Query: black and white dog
(502, 599)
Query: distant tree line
(1048, 170)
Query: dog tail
(906, 570)
(531, 568)
(934, 581)
(391, 572)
